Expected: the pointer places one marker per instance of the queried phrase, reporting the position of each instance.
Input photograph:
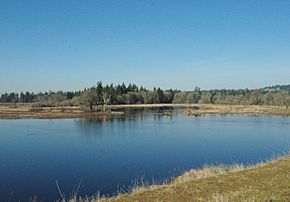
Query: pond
(111, 155)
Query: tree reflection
(103, 125)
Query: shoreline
(264, 181)
(22, 111)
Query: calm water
(105, 155)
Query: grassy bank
(243, 109)
(218, 109)
(29, 111)
(15, 111)
(263, 182)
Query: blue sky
(71, 44)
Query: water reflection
(96, 126)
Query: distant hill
(278, 87)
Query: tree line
(104, 95)
(30, 97)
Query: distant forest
(132, 94)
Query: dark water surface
(105, 155)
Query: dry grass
(205, 172)
(268, 181)
(29, 111)
(243, 109)
(14, 111)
